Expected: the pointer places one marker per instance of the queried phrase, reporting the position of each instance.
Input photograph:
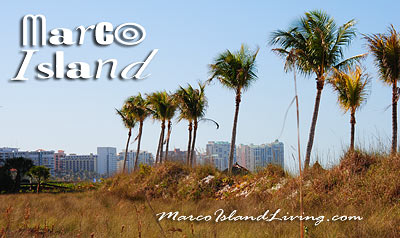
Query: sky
(77, 116)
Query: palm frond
(316, 41)
(210, 120)
(235, 70)
(351, 87)
(350, 62)
(192, 102)
(386, 50)
(127, 118)
(162, 105)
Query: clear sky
(78, 116)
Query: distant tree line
(14, 170)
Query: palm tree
(319, 44)
(192, 105)
(184, 105)
(163, 107)
(351, 87)
(236, 71)
(138, 106)
(129, 121)
(386, 51)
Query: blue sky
(78, 116)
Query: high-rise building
(243, 155)
(202, 158)
(218, 154)
(262, 155)
(278, 156)
(180, 156)
(7, 153)
(144, 158)
(77, 163)
(251, 156)
(38, 157)
(106, 163)
(57, 160)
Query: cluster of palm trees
(313, 45)
(234, 70)
(162, 106)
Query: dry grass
(365, 185)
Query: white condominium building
(39, 157)
(144, 158)
(259, 156)
(106, 163)
(218, 154)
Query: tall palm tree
(198, 111)
(163, 107)
(351, 88)
(236, 71)
(157, 110)
(129, 122)
(192, 104)
(185, 101)
(319, 44)
(138, 106)
(386, 50)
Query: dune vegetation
(365, 185)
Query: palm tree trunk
(233, 140)
(162, 140)
(189, 143)
(353, 123)
(394, 117)
(192, 152)
(320, 86)
(158, 148)
(168, 135)
(138, 145)
(126, 149)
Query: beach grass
(363, 184)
